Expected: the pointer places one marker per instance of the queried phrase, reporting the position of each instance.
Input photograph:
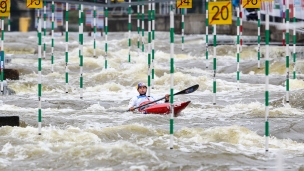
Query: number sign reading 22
(220, 12)
(5, 6)
(34, 3)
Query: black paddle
(186, 91)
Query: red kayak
(164, 108)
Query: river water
(96, 132)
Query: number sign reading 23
(34, 3)
(251, 3)
(220, 12)
(5, 6)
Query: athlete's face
(142, 90)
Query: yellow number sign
(251, 3)
(34, 3)
(220, 12)
(5, 8)
(184, 3)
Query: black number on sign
(187, 2)
(222, 13)
(214, 17)
(3, 7)
(254, 3)
(37, 2)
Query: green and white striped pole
(143, 27)
(149, 48)
(2, 55)
(44, 29)
(81, 50)
(106, 36)
(39, 74)
(241, 25)
(183, 26)
(283, 20)
(294, 43)
(153, 38)
(214, 64)
(267, 78)
(138, 27)
(129, 30)
(238, 47)
(52, 49)
(287, 51)
(207, 26)
(259, 38)
(172, 74)
(79, 28)
(66, 46)
(94, 23)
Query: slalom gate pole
(129, 30)
(39, 74)
(149, 48)
(81, 50)
(287, 51)
(143, 27)
(259, 38)
(138, 27)
(207, 26)
(267, 78)
(183, 26)
(294, 42)
(66, 46)
(153, 41)
(238, 47)
(52, 49)
(94, 25)
(106, 36)
(171, 73)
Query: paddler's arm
(132, 104)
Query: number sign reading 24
(220, 12)
(184, 3)
(5, 6)
(251, 3)
(34, 3)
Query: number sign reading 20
(5, 6)
(251, 3)
(34, 3)
(220, 12)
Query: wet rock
(9, 120)
(11, 74)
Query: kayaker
(142, 98)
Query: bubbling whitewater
(96, 132)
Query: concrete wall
(195, 24)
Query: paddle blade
(188, 90)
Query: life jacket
(141, 100)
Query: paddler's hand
(167, 98)
(131, 109)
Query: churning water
(96, 132)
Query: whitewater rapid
(96, 132)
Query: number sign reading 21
(5, 6)
(220, 12)
(34, 3)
